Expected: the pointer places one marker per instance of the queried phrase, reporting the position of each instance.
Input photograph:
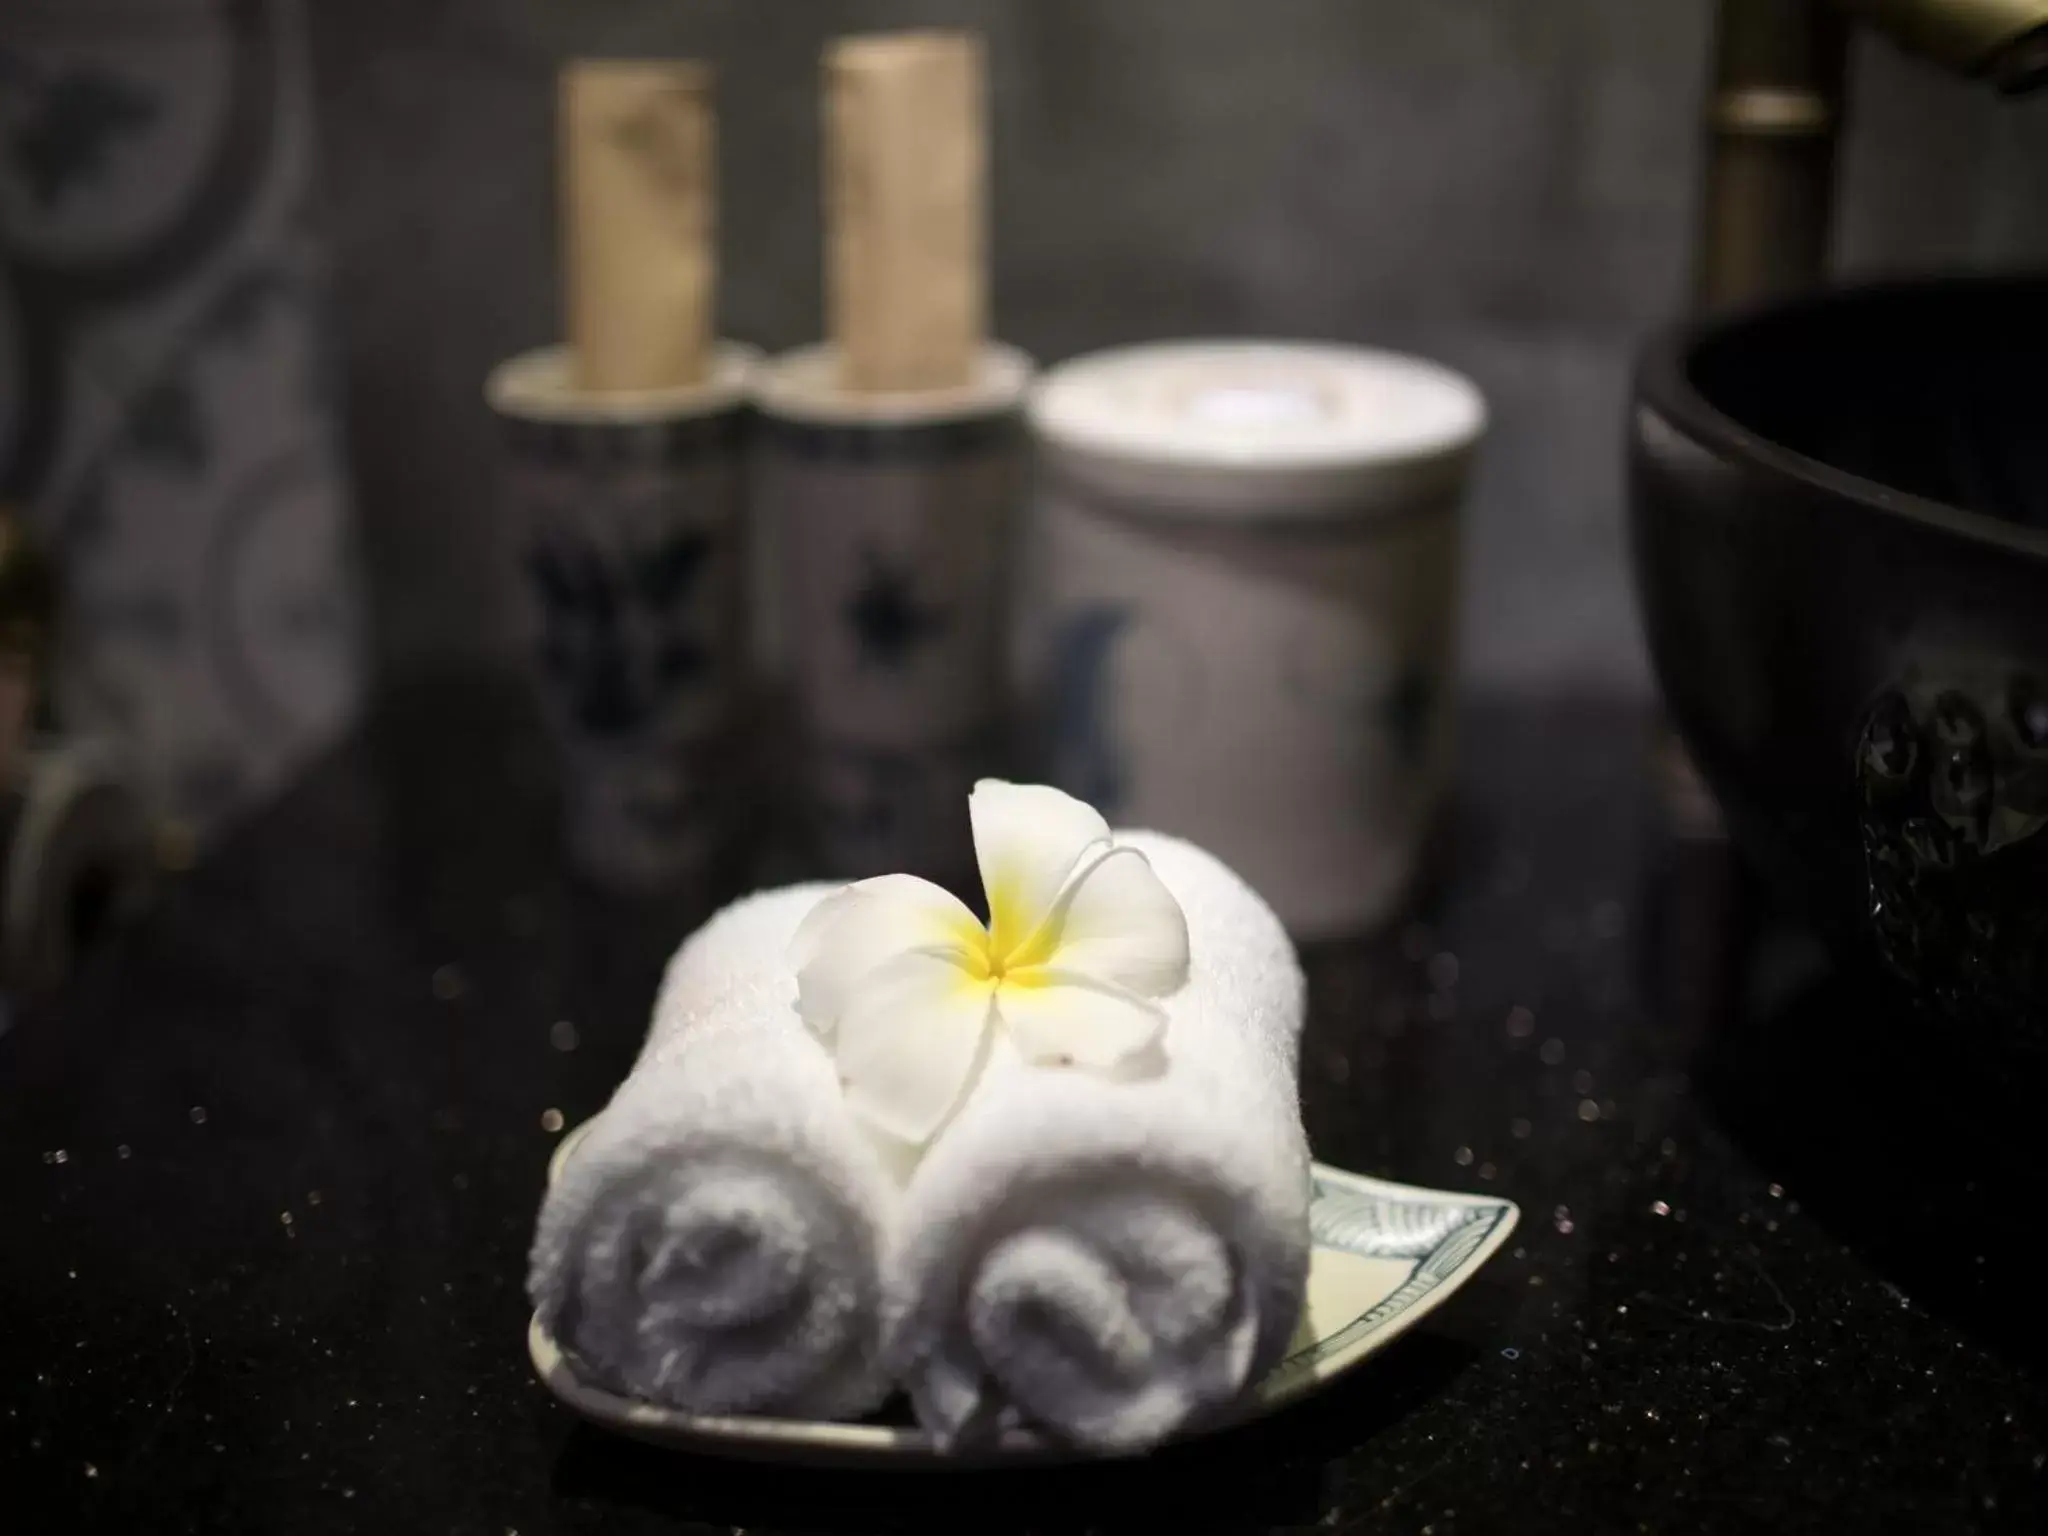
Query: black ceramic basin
(1839, 519)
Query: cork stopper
(639, 221)
(905, 168)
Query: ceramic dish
(1385, 1256)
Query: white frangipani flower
(908, 987)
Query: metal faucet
(1775, 112)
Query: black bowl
(1839, 525)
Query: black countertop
(268, 1170)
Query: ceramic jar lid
(1258, 428)
(803, 385)
(541, 386)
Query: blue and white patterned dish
(1385, 1255)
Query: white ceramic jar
(889, 523)
(628, 523)
(1244, 607)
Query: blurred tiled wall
(1505, 184)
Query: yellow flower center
(988, 962)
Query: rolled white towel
(1112, 1258)
(715, 1242)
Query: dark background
(1502, 184)
(1773, 1271)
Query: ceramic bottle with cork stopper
(888, 469)
(623, 470)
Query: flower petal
(909, 1042)
(1027, 839)
(1115, 921)
(1058, 1017)
(848, 934)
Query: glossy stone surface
(269, 1169)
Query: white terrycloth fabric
(1112, 1259)
(715, 1243)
